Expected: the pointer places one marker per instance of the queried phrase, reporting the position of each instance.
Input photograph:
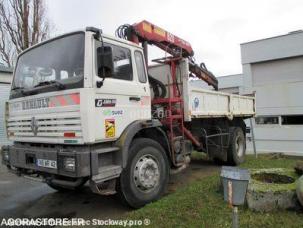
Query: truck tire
(146, 175)
(237, 146)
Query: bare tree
(23, 23)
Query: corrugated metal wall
(277, 71)
(4, 94)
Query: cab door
(123, 98)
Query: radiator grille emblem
(34, 125)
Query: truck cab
(57, 83)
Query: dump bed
(204, 103)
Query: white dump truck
(84, 106)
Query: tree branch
(23, 24)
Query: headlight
(5, 154)
(69, 164)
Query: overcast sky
(215, 28)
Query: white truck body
(217, 104)
(202, 103)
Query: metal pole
(253, 137)
(235, 217)
(145, 51)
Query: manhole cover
(273, 178)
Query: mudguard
(129, 133)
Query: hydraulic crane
(147, 33)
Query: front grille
(48, 125)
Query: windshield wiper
(18, 87)
(58, 84)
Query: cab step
(107, 173)
(104, 183)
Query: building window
(292, 120)
(267, 120)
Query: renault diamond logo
(34, 125)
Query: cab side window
(140, 66)
(122, 62)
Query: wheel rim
(239, 146)
(146, 174)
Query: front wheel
(237, 146)
(146, 175)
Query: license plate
(47, 163)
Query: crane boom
(153, 34)
(146, 32)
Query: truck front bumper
(72, 161)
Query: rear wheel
(146, 175)
(237, 146)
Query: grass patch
(202, 205)
(199, 156)
(269, 161)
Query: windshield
(60, 61)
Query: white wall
(279, 86)
(276, 138)
(4, 95)
(5, 77)
(5, 80)
(273, 68)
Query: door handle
(134, 98)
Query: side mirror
(105, 61)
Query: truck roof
(122, 40)
(78, 31)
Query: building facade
(273, 69)
(5, 84)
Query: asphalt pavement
(20, 197)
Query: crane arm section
(145, 31)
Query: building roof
(273, 37)
(6, 69)
(273, 48)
